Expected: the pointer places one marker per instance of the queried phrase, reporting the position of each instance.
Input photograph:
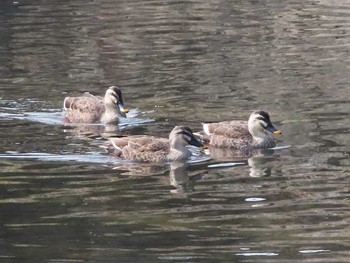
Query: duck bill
(272, 129)
(195, 142)
(122, 110)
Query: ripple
(255, 199)
(252, 254)
(90, 158)
(179, 62)
(55, 116)
(312, 251)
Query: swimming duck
(156, 149)
(90, 109)
(242, 135)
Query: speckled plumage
(156, 149)
(91, 109)
(244, 135)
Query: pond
(63, 199)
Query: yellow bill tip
(277, 132)
(125, 110)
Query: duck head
(183, 135)
(259, 122)
(113, 97)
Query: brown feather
(236, 135)
(154, 149)
(91, 109)
(84, 109)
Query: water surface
(177, 62)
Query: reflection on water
(259, 160)
(259, 166)
(182, 179)
(179, 63)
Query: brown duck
(91, 109)
(243, 135)
(156, 149)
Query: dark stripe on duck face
(269, 126)
(187, 135)
(187, 129)
(265, 122)
(183, 130)
(263, 116)
(117, 93)
(119, 100)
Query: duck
(242, 135)
(96, 109)
(146, 148)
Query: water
(177, 62)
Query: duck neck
(110, 116)
(262, 140)
(178, 151)
(259, 135)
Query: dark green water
(177, 62)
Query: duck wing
(229, 129)
(143, 148)
(83, 109)
(141, 143)
(149, 144)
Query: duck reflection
(260, 166)
(182, 175)
(93, 130)
(179, 178)
(106, 131)
(260, 161)
(182, 179)
(140, 169)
